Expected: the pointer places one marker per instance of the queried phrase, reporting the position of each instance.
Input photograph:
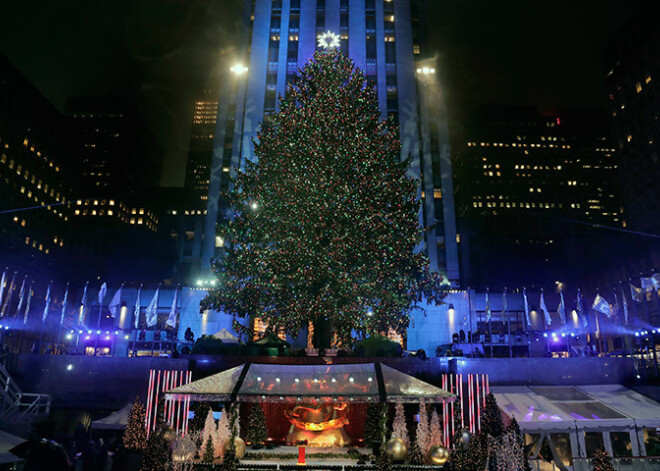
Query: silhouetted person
(189, 335)
(101, 455)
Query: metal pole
(648, 319)
(470, 321)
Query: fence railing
(642, 463)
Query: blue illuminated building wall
(383, 39)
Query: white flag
(601, 305)
(64, 303)
(21, 296)
(152, 310)
(10, 292)
(27, 303)
(171, 319)
(580, 309)
(488, 310)
(543, 307)
(561, 309)
(529, 322)
(83, 306)
(115, 303)
(102, 292)
(136, 309)
(625, 305)
(505, 308)
(47, 306)
(2, 285)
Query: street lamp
(239, 69)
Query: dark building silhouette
(200, 148)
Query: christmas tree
(491, 420)
(209, 430)
(423, 432)
(415, 455)
(325, 221)
(222, 433)
(209, 451)
(399, 427)
(135, 435)
(602, 461)
(514, 429)
(435, 430)
(257, 432)
(471, 459)
(157, 452)
(197, 422)
(375, 424)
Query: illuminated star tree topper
(329, 40)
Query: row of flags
(599, 304)
(26, 294)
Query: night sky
(161, 52)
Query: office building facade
(383, 38)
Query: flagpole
(508, 322)
(470, 320)
(59, 331)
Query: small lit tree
(209, 430)
(257, 432)
(135, 435)
(157, 452)
(491, 420)
(222, 433)
(415, 455)
(399, 427)
(199, 419)
(435, 429)
(209, 451)
(514, 429)
(602, 461)
(471, 459)
(423, 432)
(374, 424)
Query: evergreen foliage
(602, 461)
(399, 427)
(157, 453)
(491, 420)
(514, 429)
(383, 462)
(325, 220)
(257, 432)
(209, 451)
(135, 435)
(472, 459)
(415, 455)
(196, 424)
(209, 431)
(223, 432)
(374, 424)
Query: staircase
(18, 409)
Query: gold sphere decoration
(438, 455)
(396, 449)
(169, 434)
(239, 446)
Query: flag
(625, 305)
(488, 311)
(47, 306)
(152, 310)
(27, 303)
(83, 306)
(546, 313)
(505, 307)
(10, 291)
(616, 307)
(21, 296)
(601, 305)
(561, 309)
(136, 310)
(636, 293)
(102, 292)
(115, 303)
(64, 302)
(650, 283)
(580, 309)
(2, 285)
(171, 319)
(526, 304)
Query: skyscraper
(200, 148)
(384, 39)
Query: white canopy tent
(7, 442)
(115, 421)
(546, 412)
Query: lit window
(638, 87)
(629, 137)
(648, 79)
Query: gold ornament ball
(169, 435)
(438, 455)
(396, 449)
(239, 446)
